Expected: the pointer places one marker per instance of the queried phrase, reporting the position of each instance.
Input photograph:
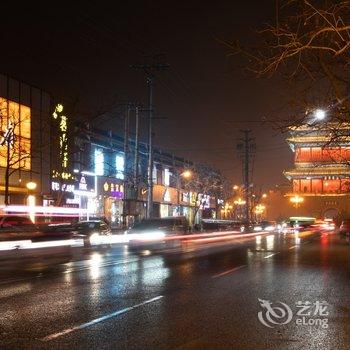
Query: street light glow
(187, 174)
(240, 201)
(31, 185)
(297, 199)
(320, 114)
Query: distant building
(112, 186)
(321, 176)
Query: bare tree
(308, 46)
(204, 182)
(14, 152)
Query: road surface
(205, 296)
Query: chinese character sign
(63, 141)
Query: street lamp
(31, 185)
(186, 174)
(239, 201)
(235, 187)
(259, 209)
(296, 200)
(320, 114)
(264, 195)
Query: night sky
(81, 54)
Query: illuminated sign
(113, 189)
(99, 162)
(63, 142)
(144, 191)
(193, 198)
(85, 186)
(203, 201)
(55, 186)
(82, 184)
(185, 197)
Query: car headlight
(95, 238)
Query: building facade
(321, 176)
(112, 185)
(24, 142)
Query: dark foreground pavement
(205, 297)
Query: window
(15, 123)
(154, 175)
(99, 162)
(119, 166)
(167, 177)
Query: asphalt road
(205, 296)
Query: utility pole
(150, 82)
(246, 147)
(148, 69)
(136, 154)
(126, 164)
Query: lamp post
(186, 174)
(31, 186)
(239, 203)
(259, 211)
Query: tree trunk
(7, 175)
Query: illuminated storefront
(112, 194)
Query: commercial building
(24, 142)
(111, 184)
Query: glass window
(15, 125)
(99, 162)
(120, 166)
(167, 177)
(154, 175)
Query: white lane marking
(98, 320)
(269, 256)
(292, 247)
(228, 271)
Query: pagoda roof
(320, 127)
(321, 140)
(340, 171)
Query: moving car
(265, 226)
(155, 234)
(90, 231)
(220, 225)
(344, 228)
(297, 224)
(15, 227)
